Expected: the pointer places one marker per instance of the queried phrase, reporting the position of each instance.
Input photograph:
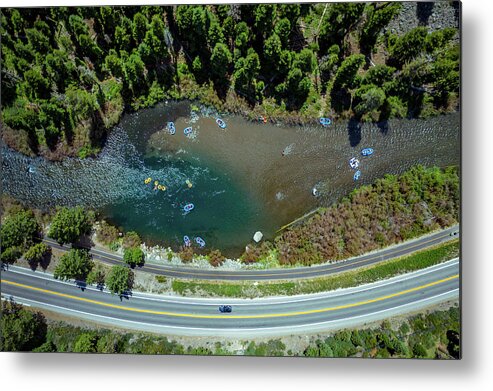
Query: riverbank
(364, 275)
(422, 215)
(308, 63)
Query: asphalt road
(282, 274)
(259, 317)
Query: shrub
(69, 224)
(76, 264)
(131, 239)
(133, 256)
(392, 209)
(22, 330)
(86, 343)
(107, 233)
(97, 275)
(19, 229)
(186, 254)
(216, 258)
(120, 280)
(36, 253)
(10, 255)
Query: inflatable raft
(188, 207)
(353, 163)
(221, 123)
(325, 121)
(200, 241)
(356, 175)
(186, 241)
(171, 128)
(187, 131)
(367, 151)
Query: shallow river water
(241, 180)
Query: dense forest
(69, 73)
(433, 335)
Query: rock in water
(258, 236)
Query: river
(241, 181)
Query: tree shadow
(453, 345)
(84, 242)
(221, 86)
(297, 40)
(424, 10)
(354, 131)
(415, 105)
(82, 285)
(43, 263)
(126, 295)
(456, 6)
(383, 126)
(341, 99)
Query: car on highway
(225, 308)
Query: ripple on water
(239, 175)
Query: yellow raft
(189, 184)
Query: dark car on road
(225, 308)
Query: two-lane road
(399, 250)
(271, 316)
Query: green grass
(360, 276)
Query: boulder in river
(258, 236)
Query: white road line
(237, 331)
(258, 301)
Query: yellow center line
(278, 274)
(276, 315)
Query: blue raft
(367, 151)
(221, 123)
(356, 175)
(187, 131)
(325, 121)
(188, 207)
(200, 241)
(171, 128)
(187, 241)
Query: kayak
(356, 175)
(353, 162)
(325, 121)
(187, 131)
(186, 240)
(221, 123)
(188, 207)
(367, 151)
(171, 128)
(200, 241)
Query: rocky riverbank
(434, 15)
